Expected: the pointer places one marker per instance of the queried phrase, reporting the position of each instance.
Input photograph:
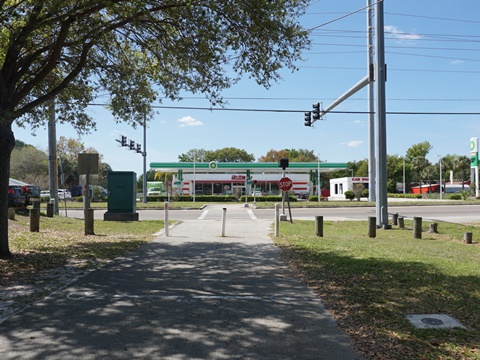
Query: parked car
(28, 191)
(64, 194)
(154, 191)
(257, 193)
(16, 198)
(45, 194)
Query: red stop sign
(285, 184)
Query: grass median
(371, 284)
(61, 240)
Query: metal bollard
(34, 220)
(372, 226)
(319, 226)
(277, 220)
(224, 218)
(89, 221)
(50, 208)
(166, 217)
(467, 237)
(417, 227)
(395, 219)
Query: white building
(340, 185)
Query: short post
(224, 218)
(34, 220)
(277, 220)
(89, 222)
(165, 206)
(467, 237)
(417, 227)
(401, 222)
(36, 204)
(395, 219)
(433, 228)
(372, 226)
(319, 226)
(11, 213)
(50, 209)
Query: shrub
(455, 196)
(365, 193)
(349, 195)
(465, 194)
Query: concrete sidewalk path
(191, 295)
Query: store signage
(360, 179)
(285, 184)
(238, 177)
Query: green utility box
(122, 196)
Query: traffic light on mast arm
(123, 140)
(132, 145)
(316, 111)
(308, 118)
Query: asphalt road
(449, 213)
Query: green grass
(62, 239)
(371, 284)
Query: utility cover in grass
(434, 321)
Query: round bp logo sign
(213, 165)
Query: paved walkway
(191, 295)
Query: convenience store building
(226, 178)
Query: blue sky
(433, 57)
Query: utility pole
(144, 153)
(52, 157)
(381, 133)
(371, 105)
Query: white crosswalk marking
(251, 214)
(203, 215)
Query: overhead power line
(303, 111)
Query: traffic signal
(248, 175)
(180, 175)
(308, 118)
(132, 144)
(139, 148)
(316, 111)
(123, 141)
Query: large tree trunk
(7, 142)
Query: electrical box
(122, 196)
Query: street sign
(285, 184)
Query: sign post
(285, 184)
(88, 166)
(283, 163)
(474, 161)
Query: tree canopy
(228, 154)
(294, 155)
(133, 50)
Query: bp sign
(212, 165)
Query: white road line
(204, 214)
(252, 215)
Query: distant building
(218, 178)
(340, 185)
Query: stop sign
(285, 184)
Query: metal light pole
(193, 184)
(319, 191)
(144, 185)
(440, 162)
(404, 175)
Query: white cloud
(400, 35)
(354, 143)
(455, 62)
(189, 121)
(359, 122)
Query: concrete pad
(434, 321)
